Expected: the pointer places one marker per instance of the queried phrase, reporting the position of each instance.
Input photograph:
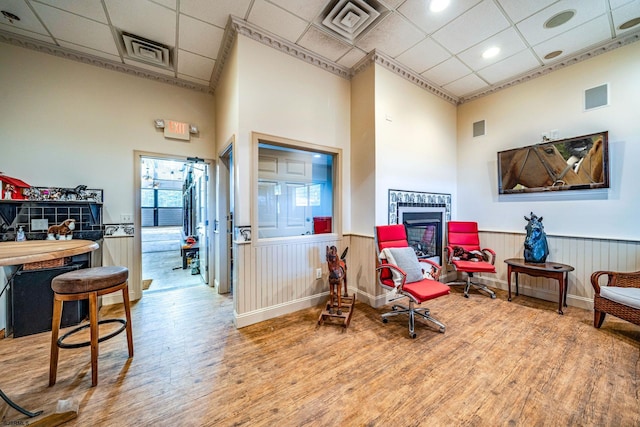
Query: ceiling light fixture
(438, 5)
(559, 19)
(9, 16)
(630, 23)
(553, 54)
(491, 52)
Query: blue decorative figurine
(536, 249)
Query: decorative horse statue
(536, 249)
(337, 274)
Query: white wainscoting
(119, 251)
(586, 255)
(270, 280)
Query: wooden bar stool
(88, 283)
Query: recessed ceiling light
(491, 52)
(438, 5)
(559, 19)
(630, 23)
(553, 54)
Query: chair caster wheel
(493, 296)
(385, 320)
(441, 330)
(413, 335)
(466, 296)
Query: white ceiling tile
(216, 14)
(28, 20)
(423, 56)
(518, 10)
(195, 65)
(91, 9)
(475, 25)
(199, 37)
(533, 29)
(467, 84)
(30, 34)
(276, 20)
(352, 57)
(145, 19)
(76, 29)
(514, 65)
(577, 39)
(617, 3)
(623, 14)
(392, 36)
(447, 71)
(90, 51)
(171, 4)
(322, 43)
(508, 41)
(417, 11)
(149, 67)
(391, 4)
(307, 9)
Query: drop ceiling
(185, 42)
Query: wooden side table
(551, 270)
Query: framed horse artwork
(577, 163)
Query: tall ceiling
(185, 42)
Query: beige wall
(517, 116)
(363, 142)
(64, 123)
(285, 97)
(415, 141)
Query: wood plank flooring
(499, 363)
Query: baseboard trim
(256, 316)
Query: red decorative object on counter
(12, 188)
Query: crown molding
(241, 26)
(397, 68)
(85, 58)
(565, 62)
(236, 26)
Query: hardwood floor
(499, 363)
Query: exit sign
(176, 130)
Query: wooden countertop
(14, 253)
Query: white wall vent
(596, 97)
(478, 128)
(349, 18)
(141, 49)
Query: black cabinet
(31, 308)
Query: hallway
(161, 261)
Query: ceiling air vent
(148, 51)
(349, 18)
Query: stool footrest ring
(62, 344)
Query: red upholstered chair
(400, 272)
(464, 234)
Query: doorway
(174, 196)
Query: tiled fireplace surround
(425, 215)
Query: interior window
(295, 191)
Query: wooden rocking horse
(337, 275)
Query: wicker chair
(614, 298)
